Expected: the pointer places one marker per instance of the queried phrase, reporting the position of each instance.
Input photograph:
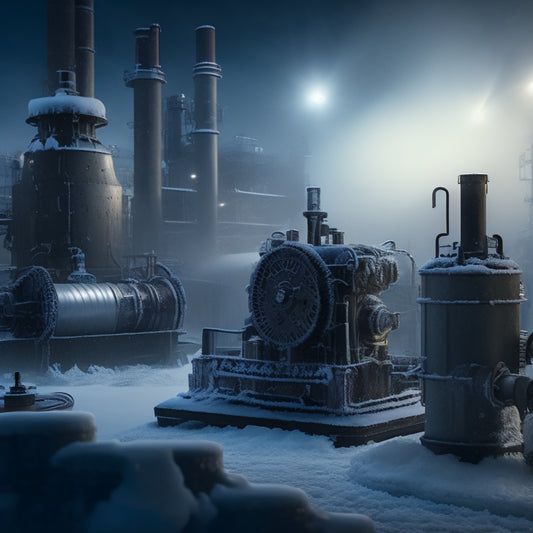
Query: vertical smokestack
(146, 81)
(84, 47)
(60, 37)
(474, 214)
(205, 135)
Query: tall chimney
(84, 47)
(206, 72)
(60, 41)
(146, 80)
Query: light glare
(317, 97)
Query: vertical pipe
(206, 72)
(84, 47)
(146, 81)
(474, 214)
(314, 216)
(60, 40)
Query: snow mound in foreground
(55, 477)
(403, 467)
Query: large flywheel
(291, 295)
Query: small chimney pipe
(314, 216)
(474, 215)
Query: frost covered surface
(51, 143)
(62, 103)
(472, 265)
(400, 484)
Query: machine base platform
(344, 430)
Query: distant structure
(146, 81)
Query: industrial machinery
(70, 297)
(85, 322)
(20, 397)
(474, 390)
(314, 345)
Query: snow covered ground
(401, 485)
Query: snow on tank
(64, 103)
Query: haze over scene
(417, 92)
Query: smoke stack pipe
(474, 215)
(60, 41)
(206, 72)
(146, 81)
(314, 216)
(84, 47)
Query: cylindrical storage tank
(470, 322)
(68, 198)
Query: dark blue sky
(270, 52)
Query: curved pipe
(433, 205)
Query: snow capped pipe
(206, 72)
(84, 47)
(146, 81)
(60, 40)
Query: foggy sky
(419, 92)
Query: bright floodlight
(316, 97)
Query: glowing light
(193, 176)
(317, 97)
(479, 115)
(221, 204)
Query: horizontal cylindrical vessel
(74, 309)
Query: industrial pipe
(84, 47)
(146, 81)
(474, 215)
(206, 72)
(60, 40)
(314, 216)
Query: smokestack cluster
(146, 81)
(206, 72)
(70, 44)
(68, 197)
